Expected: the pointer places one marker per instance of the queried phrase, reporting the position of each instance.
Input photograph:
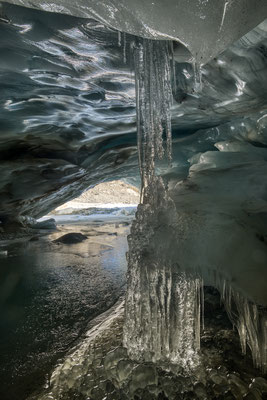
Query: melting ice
(163, 301)
(162, 319)
(165, 276)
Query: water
(48, 294)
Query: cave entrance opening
(111, 196)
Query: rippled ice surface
(68, 106)
(48, 293)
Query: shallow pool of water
(48, 293)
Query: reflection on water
(48, 293)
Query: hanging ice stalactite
(124, 43)
(250, 322)
(153, 103)
(197, 77)
(119, 38)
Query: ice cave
(133, 200)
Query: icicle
(197, 77)
(119, 38)
(162, 322)
(124, 47)
(250, 322)
(202, 304)
(173, 67)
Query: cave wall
(67, 115)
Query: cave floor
(49, 292)
(98, 366)
(58, 296)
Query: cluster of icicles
(251, 323)
(163, 304)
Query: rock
(71, 238)
(46, 224)
(34, 239)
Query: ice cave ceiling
(68, 121)
(68, 107)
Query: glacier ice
(203, 219)
(207, 228)
(162, 315)
(204, 29)
(153, 100)
(162, 319)
(170, 254)
(251, 323)
(72, 70)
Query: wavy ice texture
(68, 118)
(203, 28)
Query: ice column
(162, 318)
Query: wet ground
(99, 368)
(49, 292)
(55, 343)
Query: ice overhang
(204, 27)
